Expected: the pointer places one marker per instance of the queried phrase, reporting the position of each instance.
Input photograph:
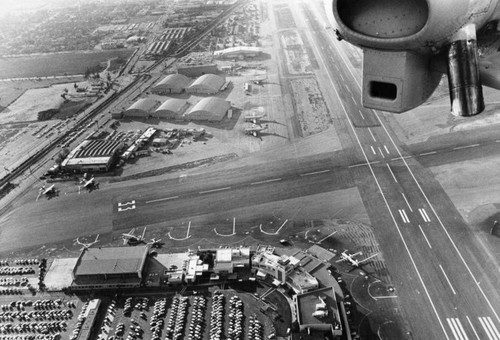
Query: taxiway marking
(428, 153)
(373, 150)
(386, 149)
(426, 239)
(267, 181)
(316, 172)
(392, 173)
(465, 147)
(214, 190)
(324, 238)
(447, 279)
(361, 113)
(162, 199)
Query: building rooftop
(306, 306)
(115, 260)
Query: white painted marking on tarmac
(356, 165)
(490, 327)
(447, 279)
(380, 150)
(373, 150)
(428, 153)
(277, 231)
(162, 199)
(385, 199)
(361, 113)
(426, 239)
(404, 217)
(392, 173)
(317, 172)
(497, 141)
(486, 328)
(324, 238)
(341, 76)
(424, 215)
(371, 133)
(266, 181)
(466, 146)
(472, 326)
(407, 203)
(214, 190)
(386, 149)
(126, 206)
(352, 97)
(456, 328)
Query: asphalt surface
(445, 281)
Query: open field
(56, 64)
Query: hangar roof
(172, 104)
(212, 104)
(114, 260)
(211, 81)
(144, 104)
(238, 49)
(175, 81)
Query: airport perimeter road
(445, 285)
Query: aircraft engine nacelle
(404, 42)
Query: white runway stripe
(457, 329)
(490, 328)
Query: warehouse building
(194, 71)
(141, 108)
(238, 52)
(207, 84)
(92, 156)
(208, 109)
(171, 108)
(110, 268)
(173, 83)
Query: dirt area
(297, 60)
(311, 108)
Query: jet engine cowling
(403, 39)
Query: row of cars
(198, 318)
(177, 321)
(217, 317)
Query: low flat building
(94, 155)
(227, 260)
(238, 52)
(110, 268)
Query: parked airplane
(255, 130)
(255, 117)
(131, 239)
(155, 243)
(345, 256)
(408, 45)
(88, 184)
(259, 81)
(87, 245)
(46, 191)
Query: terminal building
(110, 268)
(173, 83)
(92, 156)
(208, 109)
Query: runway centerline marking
(386, 149)
(162, 199)
(472, 326)
(447, 279)
(318, 172)
(407, 203)
(371, 133)
(373, 150)
(266, 181)
(214, 190)
(392, 173)
(466, 146)
(379, 149)
(426, 239)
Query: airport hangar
(207, 84)
(208, 109)
(141, 108)
(92, 155)
(173, 83)
(193, 71)
(238, 52)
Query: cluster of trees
(92, 72)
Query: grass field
(56, 64)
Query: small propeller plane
(131, 239)
(345, 256)
(87, 245)
(46, 191)
(255, 130)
